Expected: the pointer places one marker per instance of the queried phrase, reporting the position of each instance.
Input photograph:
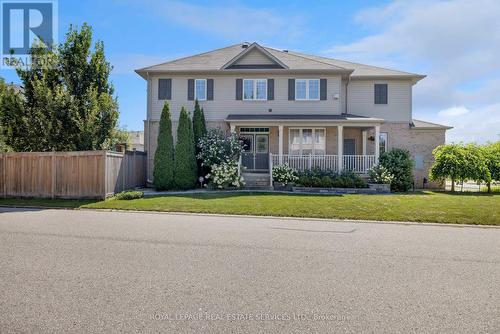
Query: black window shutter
(239, 89)
(210, 89)
(270, 89)
(322, 89)
(190, 89)
(384, 93)
(291, 89)
(164, 89)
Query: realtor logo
(23, 23)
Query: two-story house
(294, 108)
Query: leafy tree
(68, 102)
(4, 89)
(448, 163)
(185, 160)
(475, 167)
(199, 126)
(163, 173)
(13, 119)
(492, 155)
(399, 163)
(199, 130)
(86, 77)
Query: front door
(349, 147)
(255, 156)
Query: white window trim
(195, 95)
(386, 140)
(313, 136)
(307, 90)
(254, 84)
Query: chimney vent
(244, 45)
(285, 51)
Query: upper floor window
(254, 89)
(307, 89)
(380, 93)
(200, 89)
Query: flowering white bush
(380, 174)
(216, 148)
(225, 175)
(284, 174)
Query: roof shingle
(216, 59)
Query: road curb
(336, 220)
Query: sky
(455, 43)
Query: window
(252, 130)
(307, 141)
(383, 142)
(254, 89)
(380, 93)
(200, 89)
(307, 89)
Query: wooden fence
(85, 174)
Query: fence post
(53, 171)
(105, 179)
(124, 170)
(4, 174)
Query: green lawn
(419, 207)
(465, 208)
(51, 203)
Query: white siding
(255, 57)
(360, 99)
(225, 102)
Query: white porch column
(340, 147)
(363, 133)
(377, 143)
(280, 146)
(233, 128)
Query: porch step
(256, 180)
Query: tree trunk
(489, 187)
(452, 184)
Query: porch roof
(290, 118)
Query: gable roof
(224, 59)
(252, 48)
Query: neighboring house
(295, 108)
(136, 140)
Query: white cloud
(478, 125)
(455, 43)
(230, 21)
(453, 111)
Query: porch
(333, 142)
(355, 163)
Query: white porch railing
(303, 162)
(356, 163)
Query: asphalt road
(108, 272)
